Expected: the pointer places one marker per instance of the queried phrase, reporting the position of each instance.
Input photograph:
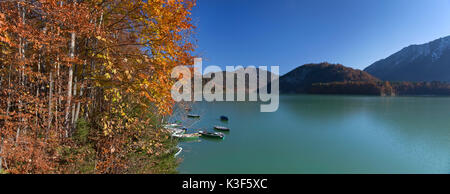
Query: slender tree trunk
(1, 158)
(37, 92)
(22, 56)
(77, 113)
(90, 107)
(92, 91)
(69, 85)
(58, 86)
(58, 99)
(8, 106)
(74, 95)
(50, 100)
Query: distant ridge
(301, 79)
(326, 78)
(237, 87)
(425, 62)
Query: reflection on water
(324, 134)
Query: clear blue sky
(290, 33)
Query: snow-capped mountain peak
(442, 45)
(425, 62)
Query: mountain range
(425, 62)
(415, 70)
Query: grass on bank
(81, 159)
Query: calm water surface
(324, 134)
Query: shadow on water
(190, 140)
(224, 132)
(222, 121)
(213, 139)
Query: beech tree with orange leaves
(84, 84)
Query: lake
(324, 134)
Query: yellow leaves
(107, 131)
(143, 93)
(133, 78)
(127, 73)
(5, 38)
(5, 51)
(99, 55)
(101, 38)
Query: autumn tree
(101, 62)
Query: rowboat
(190, 136)
(172, 125)
(221, 128)
(212, 134)
(224, 118)
(174, 130)
(179, 151)
(177, 134)
(193, 116)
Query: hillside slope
(426, 62)
(301, 79)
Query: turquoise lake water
(324, 134)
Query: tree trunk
(77, 112)
(37, 92)
(8, 106)
(69, 85)
(50, 100)
(22, 57)
(1, 158)
(74, 95)
(58, 99)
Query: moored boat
(177, 134)
(221, 128)
(174, 130)
(193, 116)
(172, 125)
(179, 151)
(190, 136)
(212, 134)
(224, 118)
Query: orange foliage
(100, 60)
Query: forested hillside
(327, 78)
(301, 79)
